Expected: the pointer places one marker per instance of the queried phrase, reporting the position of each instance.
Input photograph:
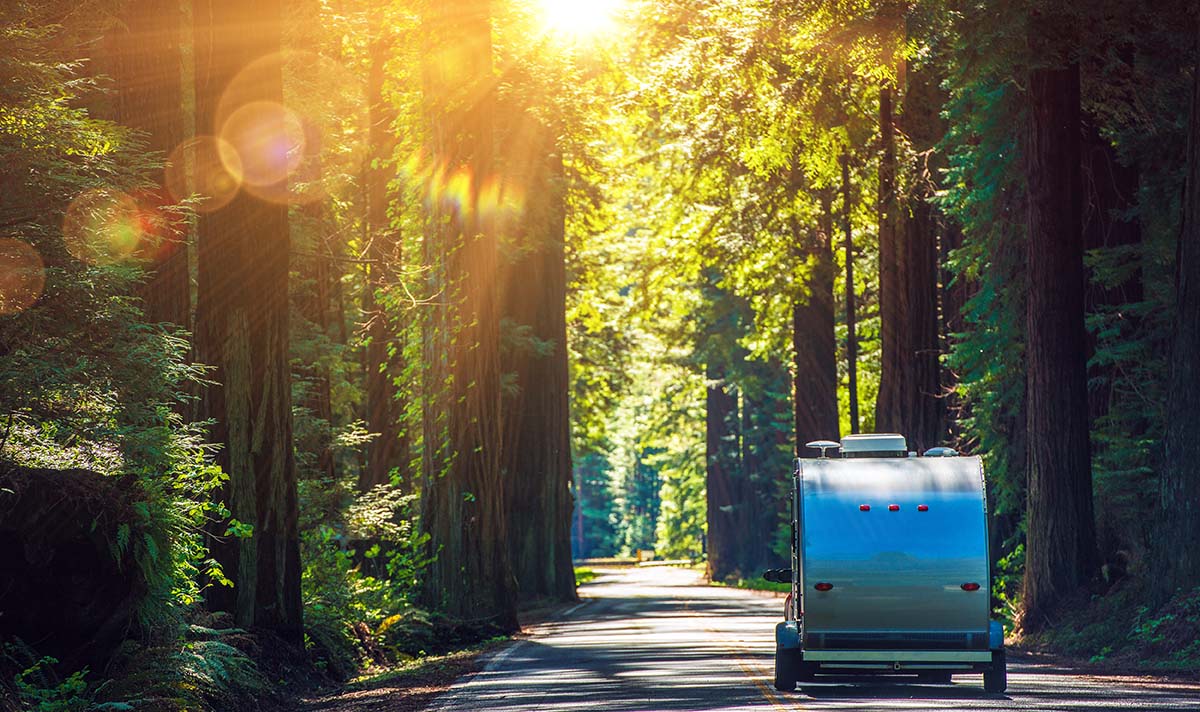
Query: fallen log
(69, 588)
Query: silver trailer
(890, 567)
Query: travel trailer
(890, 567)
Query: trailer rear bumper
(899, 656)
(899, 662)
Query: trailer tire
(787, 665)
(996, 679)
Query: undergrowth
(1116, 631)
(757, 583)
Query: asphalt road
(656, 639)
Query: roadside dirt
(413, 686)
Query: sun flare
(579, 18)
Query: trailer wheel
(787, 665)
(996, 679)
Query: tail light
(893, 508)
(970, 587)
(823, 586)
(922, 507)
(864, 507)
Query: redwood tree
(142, 53)
(889, 405)
(242, 331)
(909, 381)
(1179, 503)
(814, 344)
(722, 481)
(537, 436)
(1060, 546)
(463, 508)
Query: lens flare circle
(324, 132)
(195, 169)
(266, 139)
(103, 226)
(22, 276)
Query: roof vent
(874, 445)
(941, 452)
(823, 445)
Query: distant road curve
(653, 639)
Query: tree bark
(142, 54)
(924, 414)
(1060, 546)
(537, 438)
(893, 263)
(814, 344)
(721, 473)
(764, 411)
(242, 331)
(909, 384)
(464, 509)
(851, 325)
(1179, 500)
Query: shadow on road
(858, 688)
(658, 642)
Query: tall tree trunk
(851, 321)
(390, 448)
(764, 410)
(142, 53)
(922, 388)
(1179, 503)
(242, 330)
(537, 438)
(814, 344)
(893, 264)
(464, 509)
(1061, 545)
(909, 381)
(721, 473)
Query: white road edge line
(450, 696)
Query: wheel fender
(995, 635)
(787, 635)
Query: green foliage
(983, 192)
(759, 583)
(362, 569)
(84, 380)
(1153, 638)
(39, 690)
(584, 575)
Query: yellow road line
(738, 649)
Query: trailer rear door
(901, 545)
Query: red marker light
(922, 507)
(864, 507)
(823, 586)
(893, 508)
(970, 587)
